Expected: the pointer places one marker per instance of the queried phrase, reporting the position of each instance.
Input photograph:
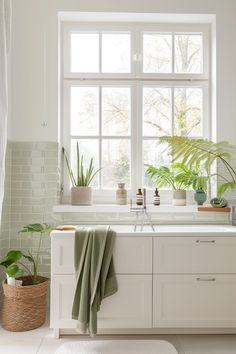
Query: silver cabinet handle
(205, 241)
(206, 279)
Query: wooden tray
(217, 210)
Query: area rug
(117, 347)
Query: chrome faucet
(142, 211)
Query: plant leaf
(14, 271)
(14, 256)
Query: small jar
(139, 197)
(121, 194)
(156, 198)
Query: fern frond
(203, 152)
(222, 188)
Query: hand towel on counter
(95, 275)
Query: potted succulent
(24, 303)
(173, 177)
(81, 192)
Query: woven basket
(24, 308)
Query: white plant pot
(81, 196)
(11, 281)
(179, 197)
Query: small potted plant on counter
(194, 152)
(24, 302)
(81, 192)
(173, 177)
(196, 179)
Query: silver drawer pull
(205, 241)
(206, 279)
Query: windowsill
(113, 208)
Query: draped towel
(95, 275)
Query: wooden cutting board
(218, 210)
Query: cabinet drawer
(132, 255)
(130, 307)
(198, 301)
(194, 255)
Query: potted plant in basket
(81, 192)
(24, 303)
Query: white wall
(34, 59)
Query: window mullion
(172, 111)
(139, 136)
(100, 52)
(100, 137)
(173, 53)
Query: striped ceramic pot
(179, 197)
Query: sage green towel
(95, 275)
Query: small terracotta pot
(81, 196)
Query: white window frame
(136, 79)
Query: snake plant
(83, 177)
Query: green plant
(82, 178)
(174, 177)
(194, 177)
(201, 152)
(14, 260)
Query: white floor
(40, 341)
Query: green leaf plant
(14, 261)
(82, 178)
(178, 176)
(193, 153)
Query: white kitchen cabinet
(130, 307)
(194, 255)
(175, 282)
(194, 301)
(132, 255)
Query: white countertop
(166, 230)
(114, 208)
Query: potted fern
(174, 177)
(196, 179)
(81, 191)
(195, 152)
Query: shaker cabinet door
(130, 307)
(194, 301)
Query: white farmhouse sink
(170, 230)
(185, 230)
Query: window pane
(116, 53)
(154, 154)
(115, 163)
(116, 111)
(85, 52)
(156, 111)
(188, 53)
(84, 110)
(188, 112)
(157, 53)
(89, 149)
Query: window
(126, 85)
